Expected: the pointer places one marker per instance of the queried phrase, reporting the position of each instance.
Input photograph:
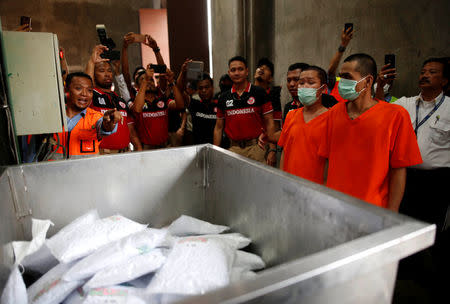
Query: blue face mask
(347, 89)
(307, 96)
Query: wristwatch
(156, 50)
(341, 49)
(272, 150)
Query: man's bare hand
(23, 28)
(134, 38)
(263, 139)
(151, 42)
(184, 66)
(116, 66)
(271, 159)
(110, 118)
(149, 73)
(170, 75)
(386, 75)
(346, 36)
(96, 52)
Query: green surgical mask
(347, 89)
(307, 96)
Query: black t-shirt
(203, 120)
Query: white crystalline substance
(129, 270)
(50, 288)
(71, 244)
(115, 253)
(194, 266)
(187, 225)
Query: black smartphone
(25, 20)
(347, 26)
(390, 59)
(159, 68)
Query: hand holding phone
(194, 70)
(159, 68)
(390, 59)
(348, 26)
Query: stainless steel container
(320, 246)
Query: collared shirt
(72, 122)
(244, 114)
(433, 136)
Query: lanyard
(418, 124)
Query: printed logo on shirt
(122, 104)
(206, 116)
(229, 103)
(251, 101)
(101, 101)
(241, 111)
(154, 114)
(160, 104)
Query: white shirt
(433, 136)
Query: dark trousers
(427, 198)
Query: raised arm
(346, 36)
(178, 104)
(139, 101)
(95, 58)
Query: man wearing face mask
(304, 127)
(368, 144)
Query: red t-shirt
(244, 114)
(103, 101)
(153, 123)
(300, 142)
(362, 151)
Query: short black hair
(366, 64)
(320, 72)
(237, 58)
(76, 74)
(205, 76)
(225, 77)
(298, 65)
(443, 61)
(266, 61)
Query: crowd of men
(341, 129)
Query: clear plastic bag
(194, 266)
(50, 288)
(131, 269)
(187, 225)
(71, 244)
(116, 253)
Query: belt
(244, 143)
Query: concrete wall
(309, 31)
(74, 23)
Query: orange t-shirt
(362, 151)
(335, 91)
(300, 142)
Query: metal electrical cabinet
(34, 82)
